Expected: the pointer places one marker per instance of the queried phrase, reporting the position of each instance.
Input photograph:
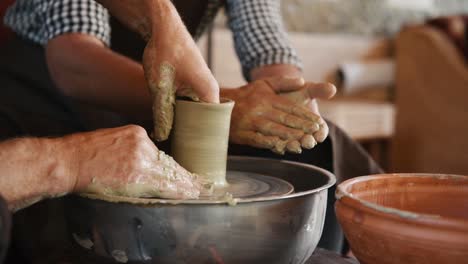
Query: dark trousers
(31, 105)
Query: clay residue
(163, 102)
(130, 190)
(188, 93)
(229, 199)
(150, 185)
(241, 188)
(218, 178)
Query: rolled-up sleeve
(42, 20)
(259, 35)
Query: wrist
(161, 13)
(63, 166)
(141, 16)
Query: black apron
(31, 105)
(5, 228)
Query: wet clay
(163, 102)
(242, 186)
(200, 138)
(250, 185)
(156, 183)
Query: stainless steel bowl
(273, 230)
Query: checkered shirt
(259, 35)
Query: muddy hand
(124, 161)
(173, 64)
(171, 59)
(263, 119)
(306, 95)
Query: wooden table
(371, 123)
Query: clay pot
(405, 218)
(200, 138)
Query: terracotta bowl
(405, 218)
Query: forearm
(271, 46)
(30, 170)
(83, 68)
(141, 16)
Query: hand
(262, 118)
(123, 161)
(173, 62)
(306, 94)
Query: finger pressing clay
(161, 177)
(163, 102)
(189, 93)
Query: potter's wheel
(281, 229)
(242, 185)
(251, 185)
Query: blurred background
(400, 67)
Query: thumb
(320, 90)
(205, 88)
(195, 74)
(285, 84)
(311, 91)
(163, 93)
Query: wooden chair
(431, 133)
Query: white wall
(321, 54)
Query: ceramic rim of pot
(149, 201)
(348, 199)
(222, 101)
